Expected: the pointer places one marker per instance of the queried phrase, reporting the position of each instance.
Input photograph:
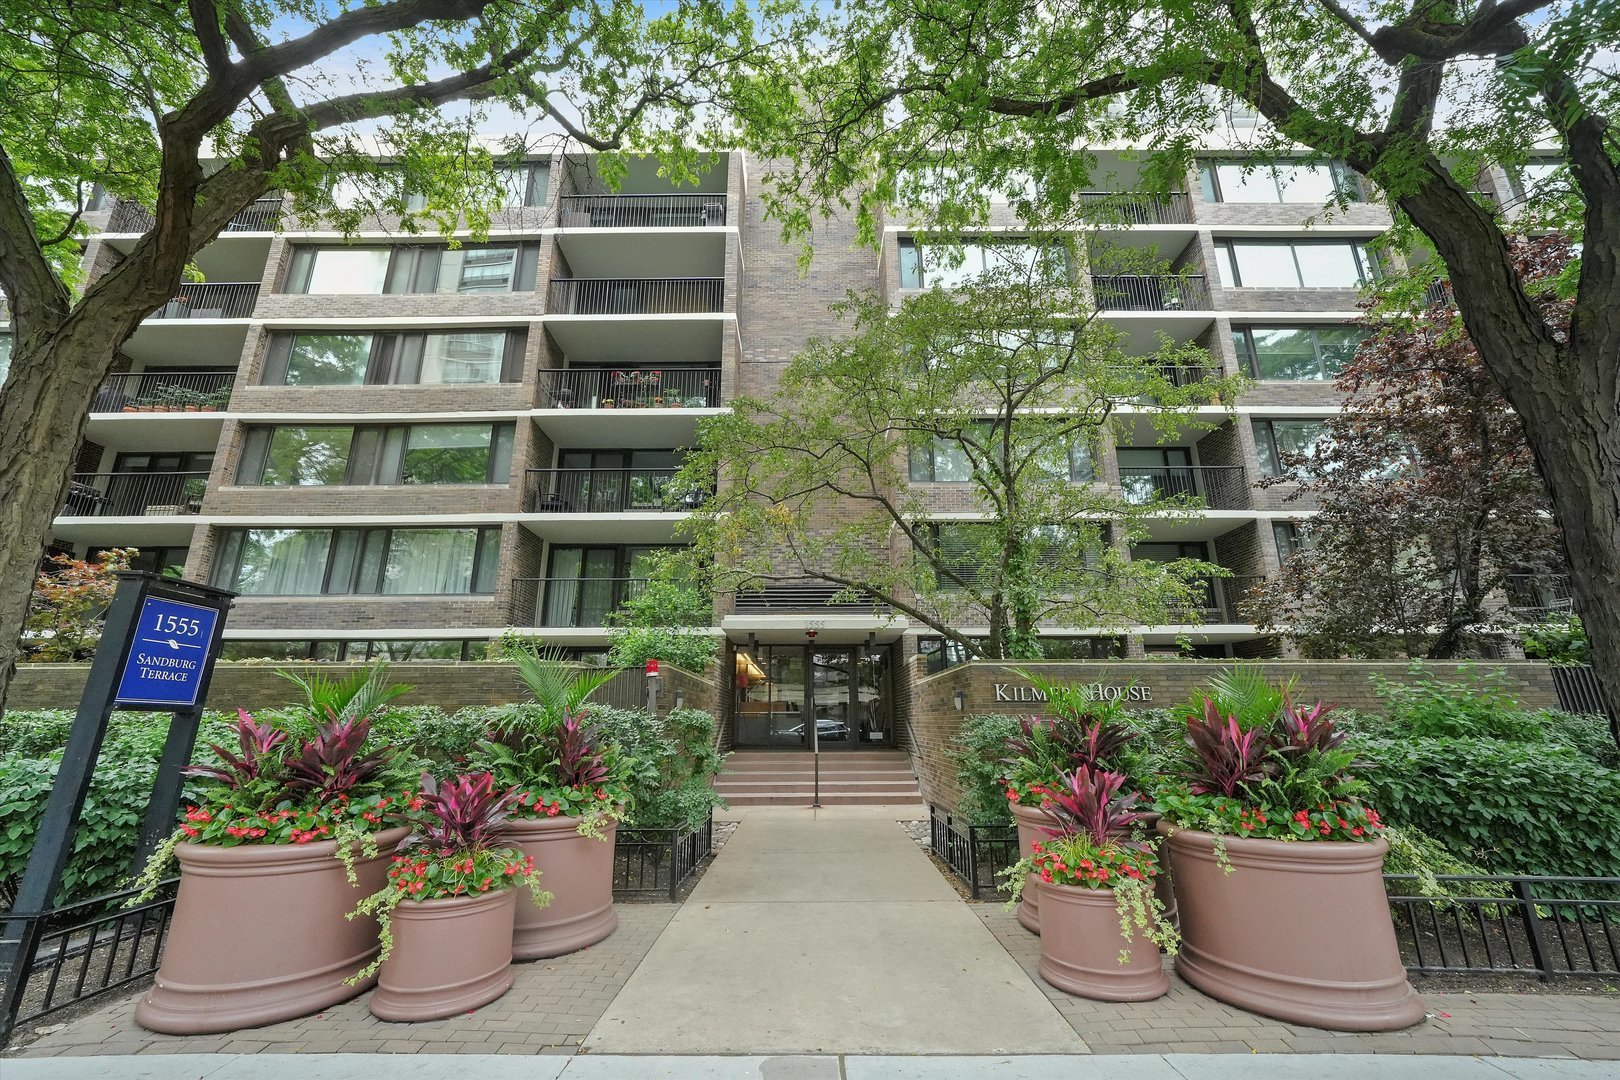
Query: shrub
(1478, 703)
(977, 753)
(674, 759)
(633, 646)
(1510, 807)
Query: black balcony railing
(630, 388)
(780, 597)
(606, 491)
(635, 296)
(1221, 600)
(260, 216)
(1131, 209)
(1220, 487)
(1150, 292)
(1537, 597)
(223, 300)
(642, 211)
(571, 601)
(165, 391)
(132, 494)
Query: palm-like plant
(330, 765)
(463, 814)
(360, 695)
(558, 687)
(1087, 803)
(1243, 693)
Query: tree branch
(30, 284)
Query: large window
(413, 268)
(1280, 182)
(397, 562)
(585, 585)
(1291, 539)
(1281, 264)
(439, 357)
(1296, 352)
(924, 265)
(377, 454)
(945, 461)
(1280, 440)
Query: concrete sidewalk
(828, 932)
(710, 1067)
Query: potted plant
(1082, 732)
(658, 401)
(1101, 925)
(697, 401)
(278, 848)
(446, 912)
(572, 797)
(606, 403)
(1279, 866)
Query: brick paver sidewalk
(550, 1009)
(1187, 1022)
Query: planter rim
(1325, 853)
(442, 906)
(278, 857)
(547, 825)
(1077, 893)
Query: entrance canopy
(831, 628)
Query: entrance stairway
(787, 778)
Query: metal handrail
(1129, 208)
(635, 296)
(1150, 292)
(211, 300)
(630, 387)
(164, 391)
(260, 215)
(135, 494)
(643, 211)
(1220, 487)
(605, 491)
(1222, 599)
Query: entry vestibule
(845, 689)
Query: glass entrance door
(781, 690)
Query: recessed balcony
(635, 296)
(260, 216)
(1217, 487)
(164, 391)
(607, 491)
(1150, 292)
(211, 300)
(630, 388)
(643, 211)
(135, 494)
(1220, 600)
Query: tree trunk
(43, 410)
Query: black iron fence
(82, 951)
(1220, 487)
(634, 296)
(1150, 292)
(1127, 208)
(1485, 925)
(1580, 692)
(631, 388)
(260, 216)
(653, 862)
(642, 211)
(212, 300)
(606, 491)
(135, 494)
(164, 391)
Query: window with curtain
(1281, 264)
(322, 359)
(412, 268)
(439, 357)
(1296, 352)
(1286, 181)
(1278, 440)
(298, 456)
(948, 265)
(338, 562)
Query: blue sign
(169, 654)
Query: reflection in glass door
(846, 690)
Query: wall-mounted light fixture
(961, 701)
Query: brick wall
(935, 720)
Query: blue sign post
(168, 656)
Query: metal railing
(630, 388)
(1537, 597)
(658, 861)
(134, 494)
(164, 391)
(642, 211)
(1150, 292)
(1513, 924)
(1580, 692)
(572, 601)
(1132, 209)
(634, 296)
(75, 953)
(605, 491)
(1221, 487)
(974, 853)
(1222, 600)
(211, 300)
(260, 216)
(797, 596)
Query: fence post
(674, 863)
(1532, 925)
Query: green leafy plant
(978, 752)
(1558, 641)
(672, 762)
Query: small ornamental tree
(70, 598)
(1429, 492)
(1007, 386)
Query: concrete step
(827, 799)
(848, 778)
(871, 775)
(839, 784)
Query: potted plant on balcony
(276, 851)
(1279, 866)
(572, 798)
(447, 909)
(605, 403)
(1101, 925)
(1082, 732)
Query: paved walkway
(827, 932)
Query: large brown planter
(258, 935)
(1081, 942)
(1298, 930)
(449, 956)
(578, 872)
(1032, 825)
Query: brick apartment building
(392, 448)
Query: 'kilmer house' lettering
(1129, 692)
